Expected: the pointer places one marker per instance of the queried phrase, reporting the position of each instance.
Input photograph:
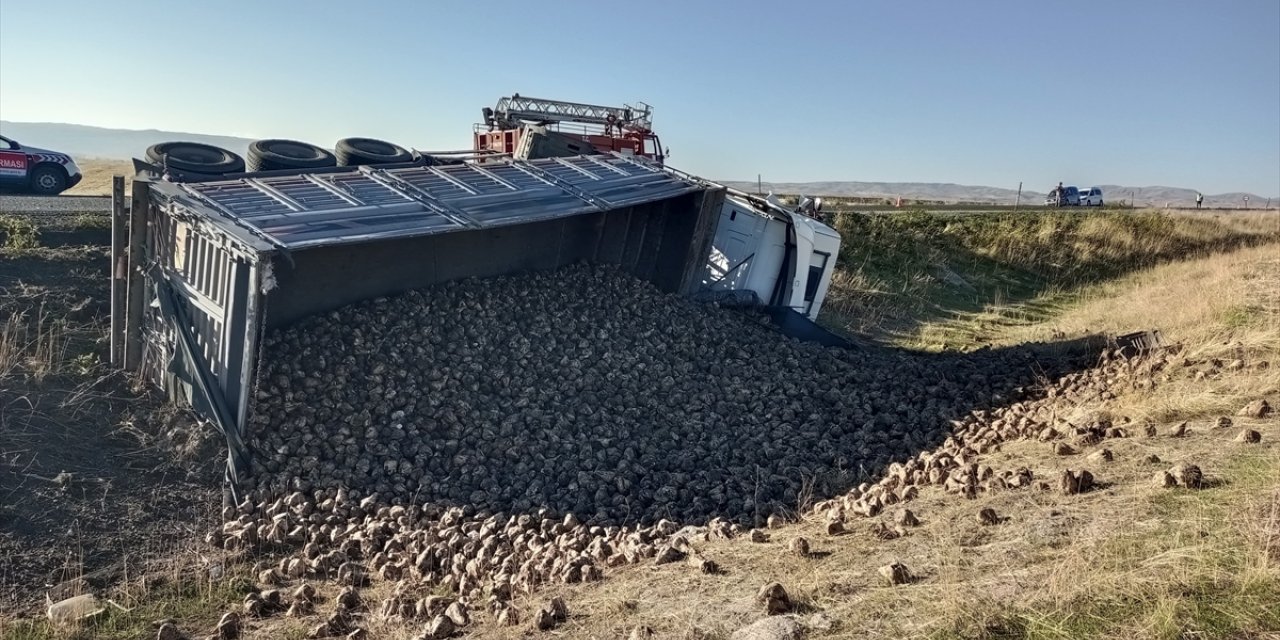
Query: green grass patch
(18, 234)
(91, 221)
(1243, 316)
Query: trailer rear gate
(222, 261)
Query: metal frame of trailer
(202, 267)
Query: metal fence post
(137, 235)
(119, 268)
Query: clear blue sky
(1180, 93)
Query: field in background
(97, 176)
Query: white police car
(39, 171)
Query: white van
(1091, 197)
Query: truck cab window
(817, 265)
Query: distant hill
(947, 192)
(1158, 196)
(942, 192)
(101, 142)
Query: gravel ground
(58, 205)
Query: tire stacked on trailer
(194, 157)
(353, 152)
(274, 155)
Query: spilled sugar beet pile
(486, 437)
(585, 390)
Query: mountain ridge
(104, 142)
(949, 192)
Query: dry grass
(192, 589)
(1123, 562)
(1221, 304)
(33, 346)
(1225, 306)
(97, 176)
(1080, 244)
(900, 271)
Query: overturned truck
(205, 264)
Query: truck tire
(48, 180)
(195, 158)
(357, 151)
(271, 155)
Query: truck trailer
(205, 264)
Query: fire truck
(515, 124)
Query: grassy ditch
(900, 271)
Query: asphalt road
(56, 205)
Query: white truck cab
(782, 256)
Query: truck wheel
(357, 151)
(195, 158)
(271, 155)
(48, 180)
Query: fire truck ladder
(510, 111)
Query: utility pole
(759, 186)
(1018, 201)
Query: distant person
(1199, 199)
